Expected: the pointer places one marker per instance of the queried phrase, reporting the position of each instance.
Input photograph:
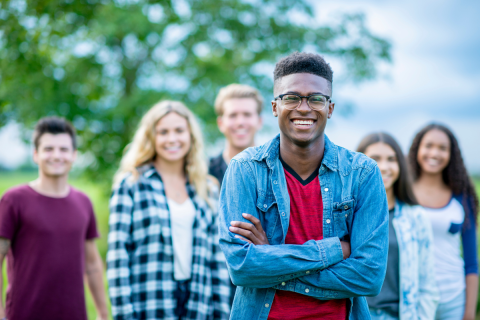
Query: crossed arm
(315, 264)
(253, 233)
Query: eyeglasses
(291, 101)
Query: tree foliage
(102, 63)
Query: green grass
(99, 199)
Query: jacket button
(346, 207)
(264, 205)
(328, 220)
(283, 283)
(346, 215)
(275, 182)
(267, 305)
(326, 189)
(307, 272)
(307, 290)
(283, 214)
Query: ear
(275, 108)
(331, 107)
(74, 158)
(35, 155)
(220, 124)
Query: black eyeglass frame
(301, 97)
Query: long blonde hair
(142, 149)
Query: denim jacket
(418, 291)
(354, 209)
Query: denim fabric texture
(418, 291)
(354, 208)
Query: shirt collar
(147, 170)
(270, 150)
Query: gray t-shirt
(389, 297)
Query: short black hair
(303, 62)
(53, 125)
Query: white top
(449, 264)
(182, 217)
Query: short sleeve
(92, 231)
(8, 217)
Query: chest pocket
(342, 217)
(268, 212)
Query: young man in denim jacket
(303, 222)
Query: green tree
(103, 63)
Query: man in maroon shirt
(47, 231)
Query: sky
(434, 77)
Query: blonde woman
(163, 260)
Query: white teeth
(307, 122)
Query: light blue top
(354, 207)
(418, 291)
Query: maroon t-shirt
(47, 256)
(306, 223)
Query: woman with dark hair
(409, 290)
(443, 187)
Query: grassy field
(100, 203)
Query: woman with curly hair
(164, 260)
(409, 290)
(443, 187)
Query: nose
(304, 107)
(172, 137)
(56, 153)
(382, 165)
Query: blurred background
(101, 64)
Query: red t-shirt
(306, 223)
(47, 256)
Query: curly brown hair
(454, 175)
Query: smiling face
(55, 154)
(239, 122)
(302, 126)
(434, 152)
(172, 138)
(387, 162)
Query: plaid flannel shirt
(140, 254)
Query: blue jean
(451, 310)
(380, 314)
(181, 294)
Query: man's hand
(252, 233)
(345, 249)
